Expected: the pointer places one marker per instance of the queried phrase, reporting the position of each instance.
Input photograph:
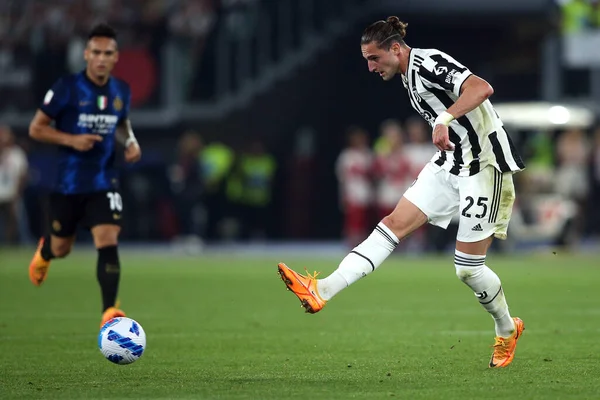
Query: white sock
(361, 261)
(471, 269)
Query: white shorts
(484, 201)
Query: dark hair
(103, 30)
(354, 130)
(385, 33)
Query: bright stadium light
(542, 115)
(558, 115)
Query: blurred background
(260, 123)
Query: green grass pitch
(224, 327)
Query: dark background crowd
(244, 109)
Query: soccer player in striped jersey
(90, 113)
(470, 175)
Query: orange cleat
(504, 348)
(304, 287)
(110, 313)
(38, 268)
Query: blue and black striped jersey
(77, 105)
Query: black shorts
(67, 211)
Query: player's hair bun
(397, 25)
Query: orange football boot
(110, 313)
(38, 268)
(304, 287)
(504, 348)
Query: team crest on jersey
(439, 70)
(118, 104)
(102, 102)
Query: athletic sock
(360, 262)
(46, 251)
(471, 269)
(108, 273)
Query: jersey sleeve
(126, 103)
(443, 70)
(55, 99)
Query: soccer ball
(122, 340)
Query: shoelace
(500, 348)
(313, 276)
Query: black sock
(108, 272)
(46, 251)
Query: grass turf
(225, 328)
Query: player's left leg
(65, 212)
(486, 204)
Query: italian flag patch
(102, 102)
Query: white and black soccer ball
(122, 340)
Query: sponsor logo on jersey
(102, 124)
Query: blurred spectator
(42, 40)
(217, 161)
(190, 23)
(596, 13)
(592, 209)
(571, 179)
(353, 169)
(192, 19)
(391, 170)
(241, 16)
(13, 177)
(576, 15)
(187, 185)
(301, 170)
(419, 148)
(397, 168)
(250, 186)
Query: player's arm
(40, 130)
(55, 102)
(124, 135)
(473, 92)
(442, 72)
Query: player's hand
(85, 141)
(133, 153)
(441, 139)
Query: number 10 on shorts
(114, 198)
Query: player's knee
(397, 224)
(405, 219)
(105, 237)
(464, 273)
(105, 241)
(60, 250)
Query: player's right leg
(103, 213)
(64, 217)
(431, 198)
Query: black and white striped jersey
(433, 81)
